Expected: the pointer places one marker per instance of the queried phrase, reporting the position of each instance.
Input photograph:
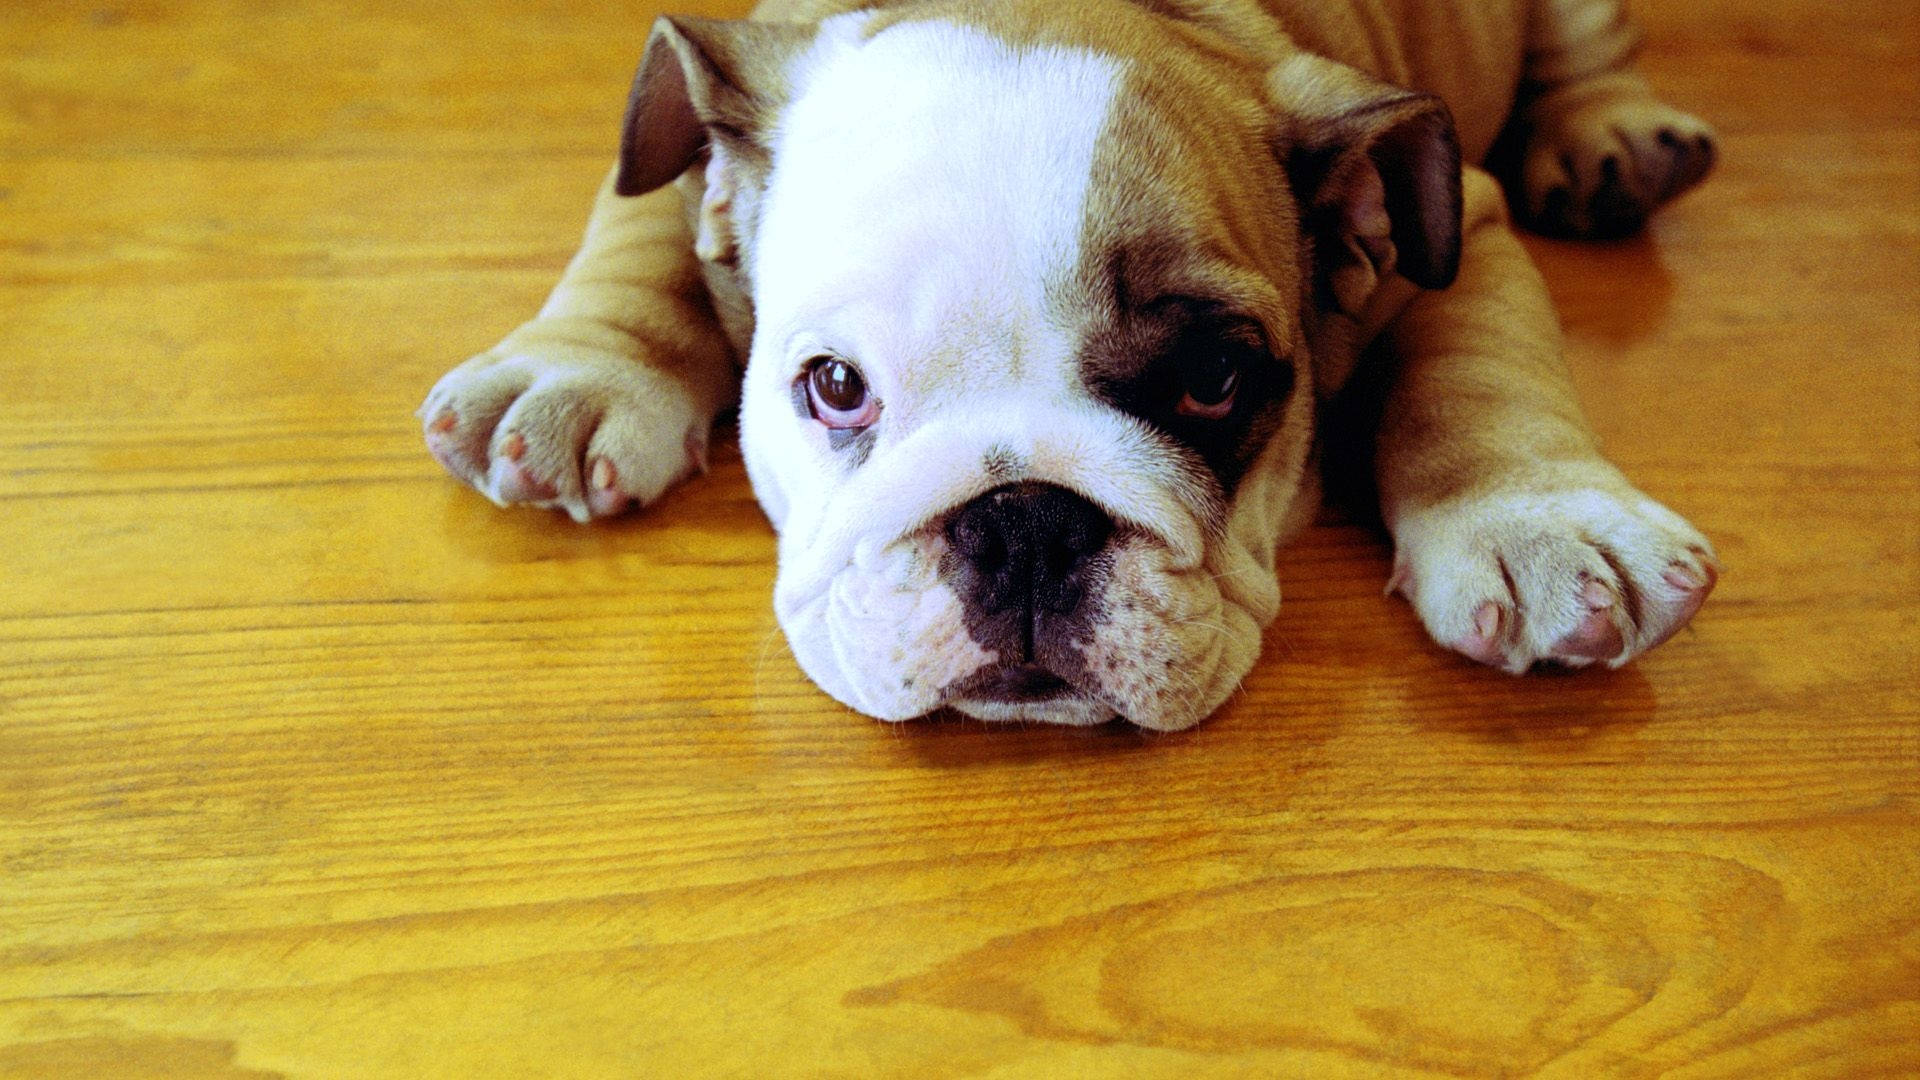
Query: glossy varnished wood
(312, 764)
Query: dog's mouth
(1013, 684)
(1026, 692)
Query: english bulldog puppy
(1031, 311)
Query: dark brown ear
(701, 79)
(1376, 170)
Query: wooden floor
(313, 764)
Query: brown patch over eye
(1209, 384)
(1204, 376)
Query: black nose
(1029, 546)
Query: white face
(923, 225)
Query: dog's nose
(1027, 544)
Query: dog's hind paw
(568, 428)
(1597, 167)
(1569, 577)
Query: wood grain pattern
(314, 765)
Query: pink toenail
(1483, 644)
(1596, 638)
(1690, 603)
(606, 502)
(1597, 596)
(515, 484)
(513, 447)
(603, 475)
(1486, 621)
(449, 459)
(695, 445)
(1685, 578)
(445, 422)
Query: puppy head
(1038, 316)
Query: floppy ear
(1376, 170)
(701, 82)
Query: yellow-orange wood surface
(313, 764)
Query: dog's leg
(607, 396)
(1590, 152)
(1515, 540)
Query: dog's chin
(1026, 693)
(1072, 711)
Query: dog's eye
(838, 395)
(1208, 384)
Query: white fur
(936, 177)
(916, 231)
(1531, 553)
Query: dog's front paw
(587, 432)
(1567, 577)
(1596, 169)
